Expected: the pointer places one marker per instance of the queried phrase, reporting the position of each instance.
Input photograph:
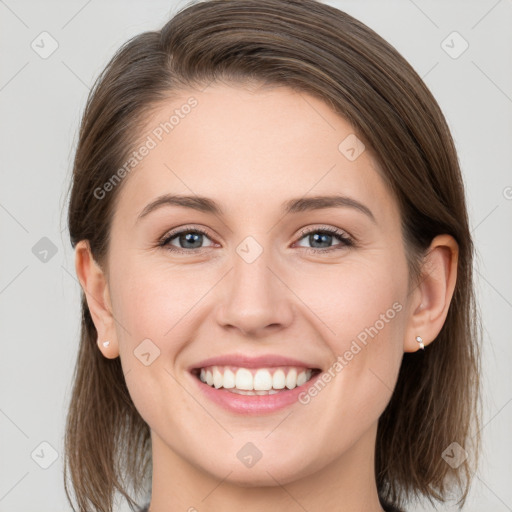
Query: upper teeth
(262, 379)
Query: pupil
(316, 236)
(189, 238)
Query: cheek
(361, 312)
(362, 307)
(359, 300)
(369, 321)
(150, 305)
(155, 301)
(156, 307)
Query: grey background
(41, 101)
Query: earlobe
(432, 297)
(108, 349)
(95, 287)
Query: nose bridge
(254, 298)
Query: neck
(346, 484)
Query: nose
(255, 299)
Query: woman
(271, 235)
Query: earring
(419, 339)
(106, 343)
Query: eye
(185, 240)
(324, 237)
(188, 240)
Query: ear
(95, 287)
(432, 296)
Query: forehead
(251, 149)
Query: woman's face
(280, 284)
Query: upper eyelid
(330, 229)
(185, 229)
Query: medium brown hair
(316, 49)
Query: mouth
(255, 381)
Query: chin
(265, 473)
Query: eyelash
(345, 240)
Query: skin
(250, 150)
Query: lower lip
(253, 404)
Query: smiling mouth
(255, 381)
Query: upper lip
(243, 361)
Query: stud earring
(419, 339)
(106, 343)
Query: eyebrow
(303, 204)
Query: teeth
(244, 379)
(301, 378)
(291, 379)
(279, 380)
(254, 382)
(262, 380)
(217, 378)
(229, 379)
